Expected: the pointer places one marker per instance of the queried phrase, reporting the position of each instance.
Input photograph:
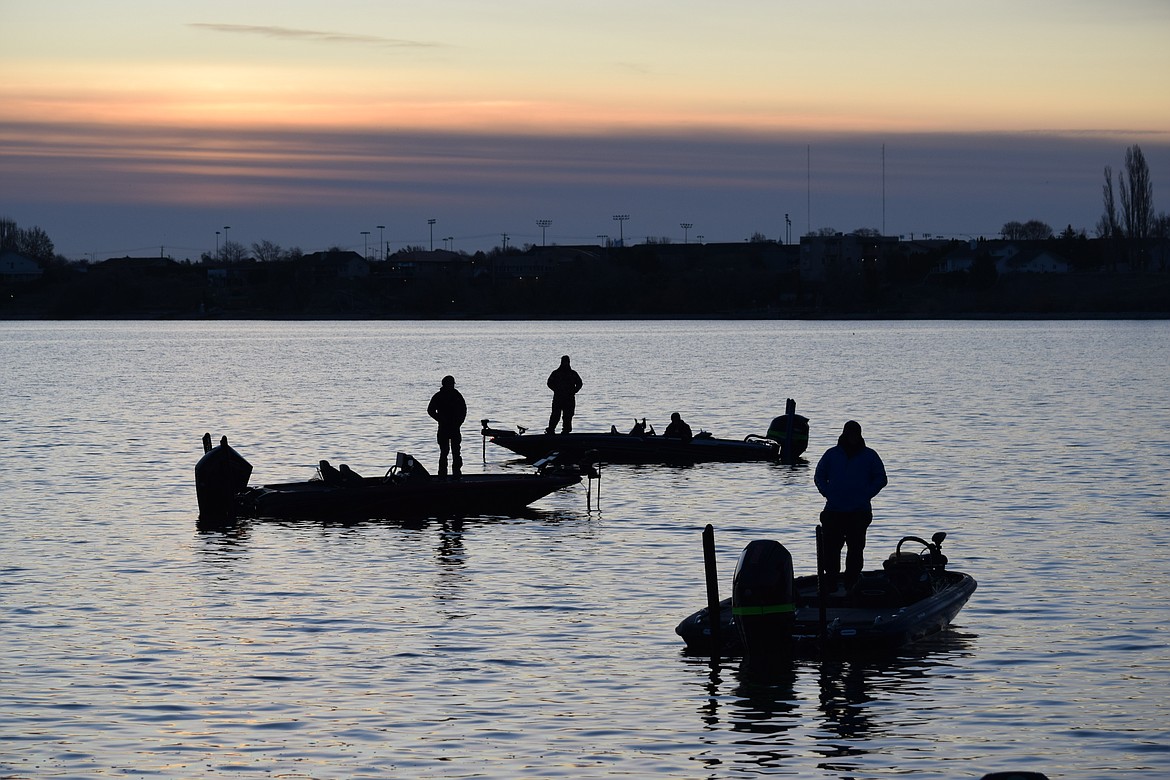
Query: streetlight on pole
(787, 229)
(226, 228)
(382, 240)
(700, 237)
(505, 236)
(543, 224)
(366, 237)
(621, 220)
(431, 222)
(686, 226)
(217, 245)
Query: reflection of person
(848, 476)
(678, 428)
(448, 408)
(564, 383)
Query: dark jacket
(448, 408)
(564, 381)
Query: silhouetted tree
(267, 252)
(1137, 195)
(1032, 230)
(233, 252)
(31, 242)
(1108, 226)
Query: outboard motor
(762, 598)
(220, 475)
(790, 431)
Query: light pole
(700, 237)
(686, 226)
(621, 220)
(431, 222)
(217, 245)
(505, 236)
(787, 230)
(366, 238)
(226, 228)
(382, 240)
(543, 224)
(604, 239)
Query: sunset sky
(126, 127)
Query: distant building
(16, 268)
(1032, 261)
(1010, 257)
(337, 264)
(420, 263)
(824, 258)
(136, 266)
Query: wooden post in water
(712, 576)
(821, 585)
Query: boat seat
(406, 468)
(349, 476)
(329, 475)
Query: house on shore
(18, 269)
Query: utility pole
(621, 220)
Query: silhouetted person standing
(678, 428)
(564, 383)
(448, 408)
(848, 476)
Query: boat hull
(471, 494)
(633, 449)
(856, 623)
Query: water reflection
(768, 701)
(450, 578)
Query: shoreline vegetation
(826, 278)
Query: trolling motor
(487, 432)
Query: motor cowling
(220, 475)
(790, 431)
(763, 597)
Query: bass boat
(786, 440)
(773, 614)
(405, 491)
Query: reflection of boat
(786, 440)
(406, 490)
(773, 613)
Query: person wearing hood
(848, 476)
(449, 410)
(678, 428)
(565, 383)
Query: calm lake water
(544, 646)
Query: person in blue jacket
(848, 476)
